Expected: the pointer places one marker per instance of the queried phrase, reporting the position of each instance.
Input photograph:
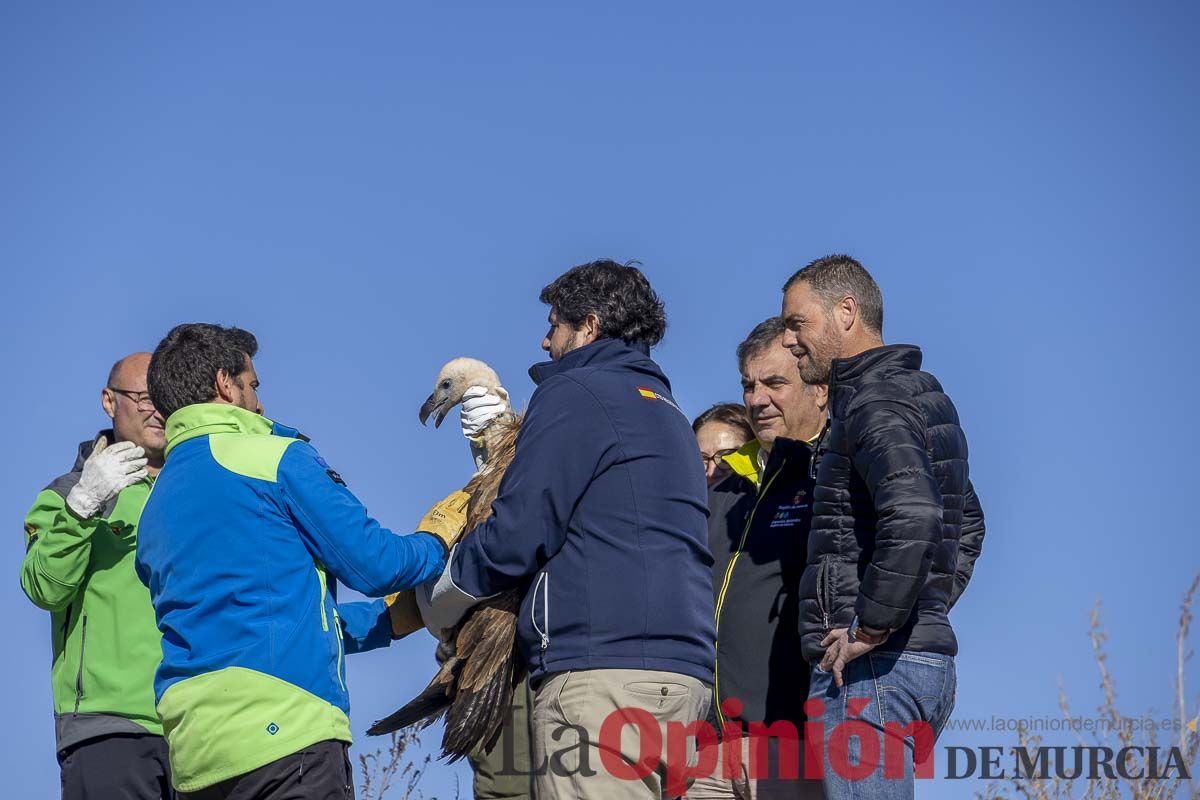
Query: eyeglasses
(141, 399)
(716, 458)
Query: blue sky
(375, 189)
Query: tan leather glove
(447, 518)
(404, 614)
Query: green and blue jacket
(241, 544)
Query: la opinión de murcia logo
(822, 749)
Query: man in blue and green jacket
(241, 544)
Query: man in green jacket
(80, 539)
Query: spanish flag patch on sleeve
(650, 394)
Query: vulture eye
(446, 384)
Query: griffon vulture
(480, 664)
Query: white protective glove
(106, 472)
(479, 407)
(441, 603)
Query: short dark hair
(731, 414)
(763, 336)
(185, 364)
(618, 294)
(834, 277)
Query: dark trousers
(318, 772)
(117, 767)
(505, 772)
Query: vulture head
(453, 381)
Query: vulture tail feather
(425, 707)
(476, 717)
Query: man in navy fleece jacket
(602, 515)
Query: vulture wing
(486, 644)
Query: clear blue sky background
(376, 188)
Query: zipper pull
(545, 642)
(825, 619)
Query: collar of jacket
(86, 448)
(848, 373)
(601, 351)
(202, 419)
(744, 460)
(792, 450)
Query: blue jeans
(891, 706)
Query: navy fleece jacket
(602, 515)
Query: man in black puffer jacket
(892, 501)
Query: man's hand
(839, 652)
(447, 518)
(106, 472)
(403, 613)
(479, 407)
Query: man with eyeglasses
(80, 539)
(758, 525)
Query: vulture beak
(433, 406)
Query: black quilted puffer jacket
(893, 497)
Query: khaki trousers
(590, 724)
(742, 786)
(716, 786)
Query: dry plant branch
(390, 768)
(1036, 787)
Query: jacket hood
(202, 419)
(602, 351)
(86, 448)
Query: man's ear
(591, 328)
(845, 311)
(821, 392)
(108, 402)
(223, 386)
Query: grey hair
(763, 336)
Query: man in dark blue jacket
(602, 514)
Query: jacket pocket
(341, 649)
(824, 591)
(79, 674)
(321, 582)
(66, 627)
(541, 594)
(338, 644)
